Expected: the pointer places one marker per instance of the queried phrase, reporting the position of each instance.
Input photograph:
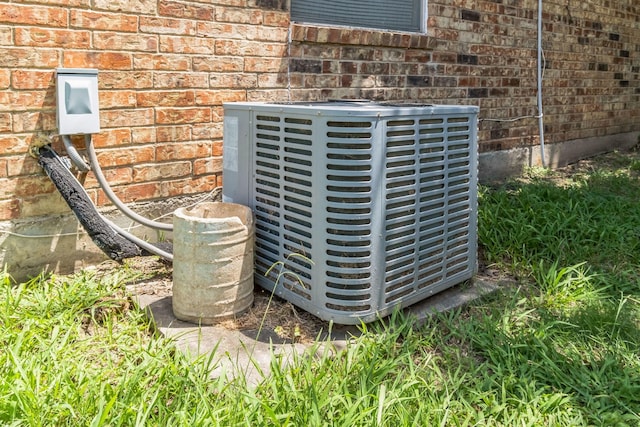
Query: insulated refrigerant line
(115, 242)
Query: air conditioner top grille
(351, 108)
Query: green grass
(559, 348)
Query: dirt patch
(151, 276)
(268, 313)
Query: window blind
(400, 15)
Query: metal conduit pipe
(75, 157)
(539, 97)
(95, 167)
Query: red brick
(6, 36)
(122, 118)
(249, 48)
(40, 37)
(26, 186)
(117, 98)
(212, 165)
(182, 115)
(221, 30)
(99, 60)
(14, 144)
(5, 122)
(112, 138)
(9, 209)
(50, 203)
(270, 34)
(239, 15)
(177, 151)
(164, 80)
(270, 95)
(132, 193)
(144, 61)
(187, 45)
(124, 157)
(206, 131)
(5, 79)
(25, 100)
(235, 80)
(217, 97)
(180, 9)
(32, 79)
(276, 19)
(217, 149)
(174, 133)
(103, 21)
(128, 80)
(33, 15)
(217, 64)
(147, 7)
(265, 65)
(196, 185)
(166, 98)
(34, 121)
(113, 176)
(126, 42)
(161, 172)
(24, 57)
(141, 135)
(177, 61)
(167, 26)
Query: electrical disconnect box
(77, 100)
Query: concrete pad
(250, 353)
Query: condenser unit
(360, 207)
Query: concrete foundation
(57, 243)
(496, 166)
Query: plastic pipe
(540, 71)
(75, 157)
(95, 167)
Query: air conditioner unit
(360, 207)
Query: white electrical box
(77, 100)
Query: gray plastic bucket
(212, 262)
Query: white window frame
(303, 17)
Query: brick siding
(166, 67)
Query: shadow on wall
(28, 244)
(51, 244)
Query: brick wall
(167, 66)
(485, 53)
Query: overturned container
(212, 262)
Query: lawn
(560, 347)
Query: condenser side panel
(237, 156)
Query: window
(398, 15)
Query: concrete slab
(250, 352)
